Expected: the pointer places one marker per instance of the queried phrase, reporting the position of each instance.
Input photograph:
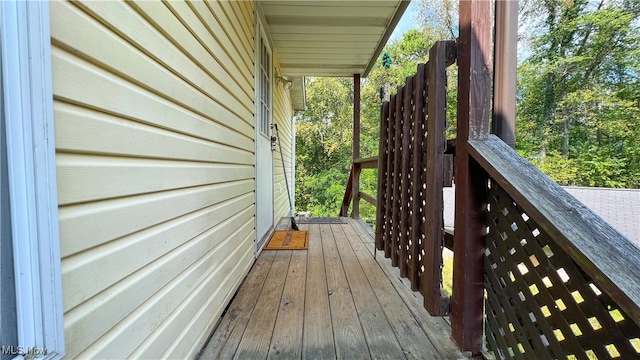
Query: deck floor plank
(318, 340)
(257, 337)
(332, 301)
(415, 343)
(287, 338)
(382, 341)
(347, 331)
(224, 341)
(437, 328)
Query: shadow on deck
(331, 301)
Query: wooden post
(436, 143)
(389, 192)
(407, 95)
(355, 212)
(504, 99)
(417, 176)
(395, 197)
(381, 224)
(474, 92)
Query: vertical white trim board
(25, 52)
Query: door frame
(262, 37)
(27, 110)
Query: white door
(264, 155)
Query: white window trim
(28, 111)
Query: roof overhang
(330, 38)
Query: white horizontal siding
(84, 178)
(155, 164)
(95, 223)
(243, 41)
(120, 258)
(192, 318)
(175, 77)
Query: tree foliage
(325, 129)
(323, 134)
(578, 98)
(439, 17)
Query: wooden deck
(331, 301)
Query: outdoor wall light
(286, 83)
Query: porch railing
(411, 175)
(557, 280)
(356, 168)
(412, 170)
(560, 282)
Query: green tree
(439, 17)
(324, 130)
(578, 98)
(323, 152)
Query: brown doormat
(288, 240)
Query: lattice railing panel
(411, 244)
(539, 303)
(391, 174)
(411, 175)
(418, 186)
(394, 241)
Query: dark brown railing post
(346, 200)
(474, 95)
(419, 86)
(391, 151)
(407, 95)
(383, 201)
(440, 54)
(395, 197)
(355, 212)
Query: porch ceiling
(330, 38)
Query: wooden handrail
(367, 163)
(348, 193)
(613, 264)
(368, 198)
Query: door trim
(262, 36)
(27, 110)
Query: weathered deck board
(347, 331)
(437, 329)
(332, 301)
(224, 342)
(287, 338)
(377, 330)
(257, 337)
(318, 340)
(415, 343)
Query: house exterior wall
(154, 114)
(283, 116)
